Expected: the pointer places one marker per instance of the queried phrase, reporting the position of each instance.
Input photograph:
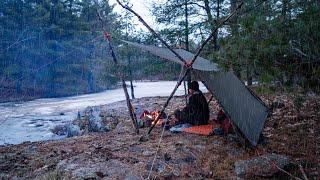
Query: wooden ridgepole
(152, 31)
(124, 86)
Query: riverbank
(32, 120)
(10, 95)
(291, 132)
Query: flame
(153, 116)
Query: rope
(158, 147)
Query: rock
(147, 153)
(73, 130)
(144, 138)
(189, 159)
(94, 124)
(59, 130)
(121, 128)
(200, 147)
(216, 143)
(157, 167)
(88, 167)
(233, 138)
(179, 146)
(100, 174)
(262, 166)
(131, 177)
(110, 122)
(236, 152)
(167, 157)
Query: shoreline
(32, 98)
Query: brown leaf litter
(118, 154)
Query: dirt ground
(292, 130)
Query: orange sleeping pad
(202, 129)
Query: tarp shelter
(247, 112)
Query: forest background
(52, 48)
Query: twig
(152, 31)
(303, 172)
(279, 168)
(294, 177)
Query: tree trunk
(130, 74)
(284, 10)
(212, 22)
(187, 37)
(235, 34)
(234, 20)
(215, 38)
(249, 76)
(186, 25)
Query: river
(32, 120)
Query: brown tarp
(245, 109)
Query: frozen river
(32, 120)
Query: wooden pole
(124, 86)
(168, 100)
(152, 31)
(185, 92)
(130, 76)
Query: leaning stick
(124, 85)
(168, 100)
(152, 31)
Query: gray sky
(142, 7)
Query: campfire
(149, 118)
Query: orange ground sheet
(202, 129)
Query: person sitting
(196, 111)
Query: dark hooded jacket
(196, 112)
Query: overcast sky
(143, 8)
